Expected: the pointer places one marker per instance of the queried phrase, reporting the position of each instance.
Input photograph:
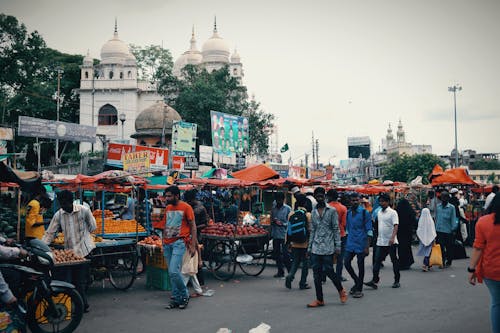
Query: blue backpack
(297, 227)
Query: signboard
(206, 153)
(158, 157)
(6, 133)
(282, 169)
(240, 161)
(3, 147)
(358, 147)
(229, 133)
(51, 129)
(191, 163)
(297, 172)
(183, 138)
(137, 162)
(177, 162)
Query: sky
(333, 68)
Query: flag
(284, 148)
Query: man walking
(445, 226)
(333, 196)
(386, 241)
(324, 241)
(179, 234)
(359, 234)
(279, 222)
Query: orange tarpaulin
(436, 171)
(456, 176)
(256, 173)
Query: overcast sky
(338, 68)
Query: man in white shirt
(387, 241)
(489, 198)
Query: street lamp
(454, 89)
(123, 117)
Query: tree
(484, 164)
(404, 168)
(152, 61)
(263, 122)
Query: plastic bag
(249, 219)
(436, 258)
(189, 264)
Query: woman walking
(406, 216)
(426, 233)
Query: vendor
(34, 226)
(76, 223)
(127, 212)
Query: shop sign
(183, 138)
(137, 163)
(206, 153)
(191, 163)
(51, 129)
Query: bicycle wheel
(67, 317)
(122, 269)
(221, 260)
(252, 256)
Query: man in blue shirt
(446, 224)
(359, 234)
(279, 223)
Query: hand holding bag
(436, 258)
(189, 264)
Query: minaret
(401, 133)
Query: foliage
(484, 164)
(152, 61)
(405, 168)
(492, 178)
(258, 119)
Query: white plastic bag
(189, 264)
(249, 219)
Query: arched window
(86, 75)
(108, 115)
(129, 74)
(121, 75)
(110, 75)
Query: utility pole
(59, 71)
(313, 149)
(307, 165)
(317, 154)
(454, 89)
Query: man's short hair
(494, 189)
(384, 197)
(279, 195)
(65, 196)
(190, 195)
(174, 190)
(319, 190)
(354, 195)
(332, 194)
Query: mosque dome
(155, 120)
(215, 49)
(115, 50)
(179, 64)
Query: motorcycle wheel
(69, 312)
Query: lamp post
(58, 98)
(123, 117)
(454, 89)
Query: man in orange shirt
(333, 197)
(179, 235)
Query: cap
(295, 189)
(454, 190)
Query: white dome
(115, 50)
(194, 58)
(179, 64)
(215, 49)
(235, 57)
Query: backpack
(297, 227)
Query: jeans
(358, 279)
(494, 288)
(320, 263)
(380, 254)
(299, 256)
(340, 260)
(281, 255)
(446, 242)
(173, 254)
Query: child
(426, 233)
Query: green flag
(284, 148)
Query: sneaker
(396, 285)
(172, 305)
(306, 286)
(371, 284)
(343, 296)
(352, 290)
(315, 304)
(357, 294)
(288, 283)
(184, 304)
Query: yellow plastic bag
(436, 258)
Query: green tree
(404, 168)
(258, 119)
(152, 61)
(484, 164)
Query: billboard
(229, 133)
(137, 163)
(51, 129)
(206, 153)
(183, 138)
(158, 157)
(358, 146)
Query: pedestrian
(407, 219)
(485, 259)
(359, 234)
(34, 226)
(446, 224)
(299, 250)
(76, 223)
(489, 198)
(324, 241)
(309, 203)
(279, 222)
(179, 235)
(333, 196)
(387, 241)
(432, 203)
(426, 233)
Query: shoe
(371, 284)
(425, 268)
(306, 286)
(315, 304)
(396, 285)
(352, 290)
(447, 265)
(86, 308)
(343, 296)
(172, 305)
(288, 283)
(357, 294)
(278, 275)
(184, 304)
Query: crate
(156, 260)
(157, 278)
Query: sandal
(425, 268)
(194, 295)
(172, 305)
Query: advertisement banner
(6, 133)
(137, 163)
(229, 133)
(297, 172)
(158, 157)
(183, 138)
(206, 153)
(51, 129)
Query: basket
(157, 278)
(156, 260)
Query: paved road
(437, 301)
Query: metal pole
(455, 111)
(58, 101)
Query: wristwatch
(471, 270)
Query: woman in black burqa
(407, 221)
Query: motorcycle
(51, 305)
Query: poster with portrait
(184, 138)
(229, 133)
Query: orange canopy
(256, 173)
(457, 176)
(436, 171)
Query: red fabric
(256, 173)
(488, 239)
(342, 212)
(436, 171)
(457, 176)
(172, 231)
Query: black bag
(297, 227)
